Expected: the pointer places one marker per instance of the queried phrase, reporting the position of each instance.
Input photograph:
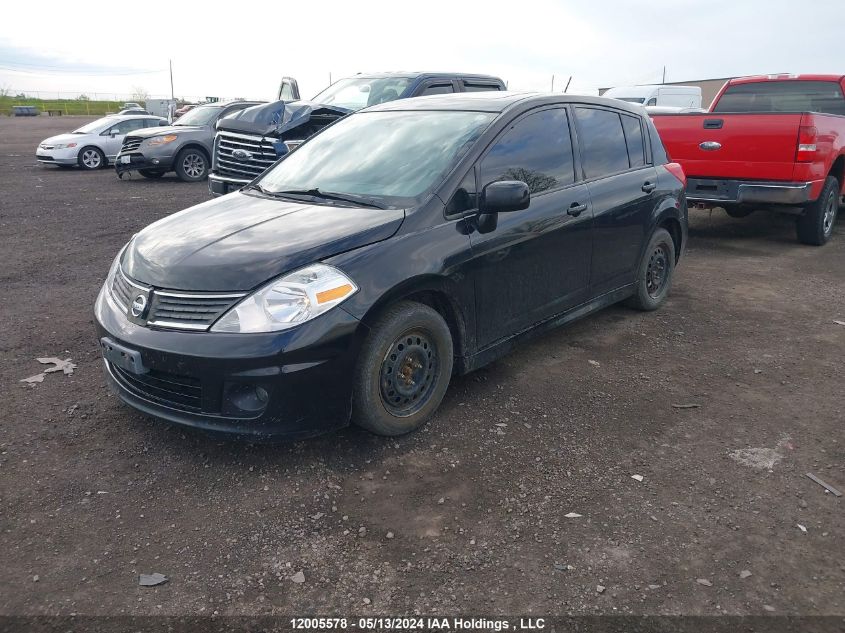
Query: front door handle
(576, 209)
(648, 187)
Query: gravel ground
(470, 514)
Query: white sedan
(94, 145)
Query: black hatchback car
(404, 243)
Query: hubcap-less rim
(829, 214)
(408, 373)
(194, 165)
(91, 158)
(658, 271)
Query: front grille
(131, 144)
(262, 155)
(178, 392)
(123, 288)
(189, 311)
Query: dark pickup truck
(252, 140)
(773, 142)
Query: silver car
(95, 144)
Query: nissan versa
(406, 242)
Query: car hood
(240, 241)
(274, 119)
(147, 132)
(63, 138)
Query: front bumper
(138, 160)
(715, 191)
(209, 380)
(57, 156)
(221, 185)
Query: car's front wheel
(738, 210)
(403, 369)
(91, 158)
(151, 173)
(654, 273)
(191, 165)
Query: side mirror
(114, 133)
(504, 196)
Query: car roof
(498, 102)
(784, 77)
(127, 117)
(426, 75)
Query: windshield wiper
(361, 201)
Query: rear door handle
(576, 209)
(648, 187)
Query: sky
(125, 47)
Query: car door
(535, 263)
(620, 178)
(112, 138)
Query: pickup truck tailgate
(749, 146)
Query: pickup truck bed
(764, 155)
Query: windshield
(94, 126)
(359, 92)
(783, 96)
(199, 116)
(392, 157)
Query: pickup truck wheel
(91, 158)
(816, 225)
(403, 370)
(654, 274)
(191, 165)
(151, 173)
(738, 211)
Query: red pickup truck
(775, 141)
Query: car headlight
(289, 301)
(162, 140)
(109, 283)
(64, 145)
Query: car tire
(654, 273)
(403, 370)
(815, 226)
(738, 211)
(91, 158)
(151, 173)
(191, 165)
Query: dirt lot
(92, 493)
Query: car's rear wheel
(91, 158)
(191, 165)
(815, 226)
(151, 173)
(403, 369)
(655, 272)
(738, 210)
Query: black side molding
(713, 124)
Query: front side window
(438, 89)
(359, 92)
(391, 157)
(537, 150)
(123, 127)
(602, 142)
(783, 96)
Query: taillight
(806, 152)
(677, 171)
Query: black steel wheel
(816, 225)
(403, 369)
(654, 274)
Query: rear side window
(783, 96)
(438, 89)
(634, 140)
(602, 141)
(469, 87)
(537, 149)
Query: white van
(678, 96)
